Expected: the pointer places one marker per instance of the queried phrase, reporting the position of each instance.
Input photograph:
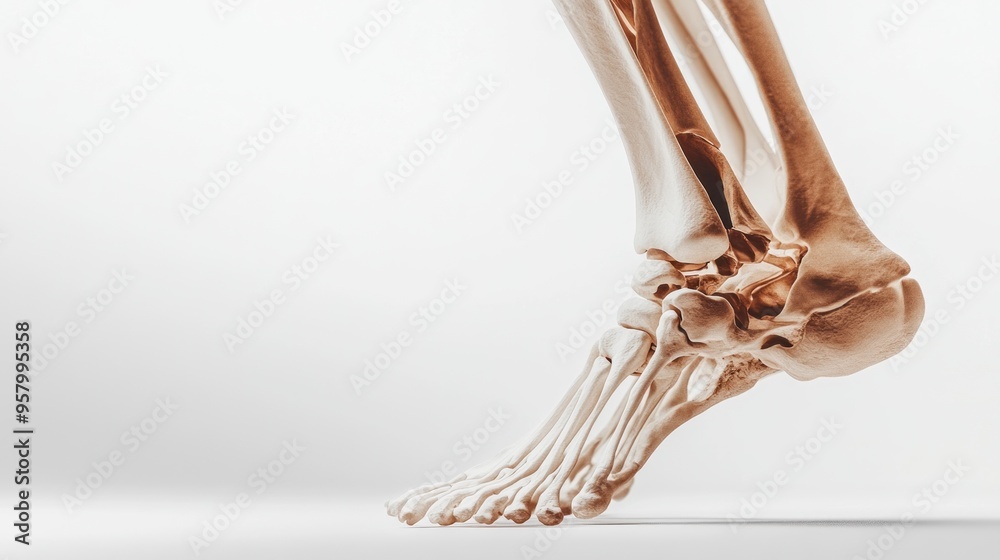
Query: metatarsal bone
(673, 211)
(413, 505)
(594, 390)
(657, 392)
(596, 494)
(462, 503)
(628, 352)
(622, 352)
(740, 374)
(585, 463)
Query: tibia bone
(673, 211)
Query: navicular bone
(726, 294)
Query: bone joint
(726, 294)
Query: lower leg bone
(673, 211)
(724, 297)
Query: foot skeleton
(725, 296)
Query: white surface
(496, 345)
(309, 529)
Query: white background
(887, 97)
